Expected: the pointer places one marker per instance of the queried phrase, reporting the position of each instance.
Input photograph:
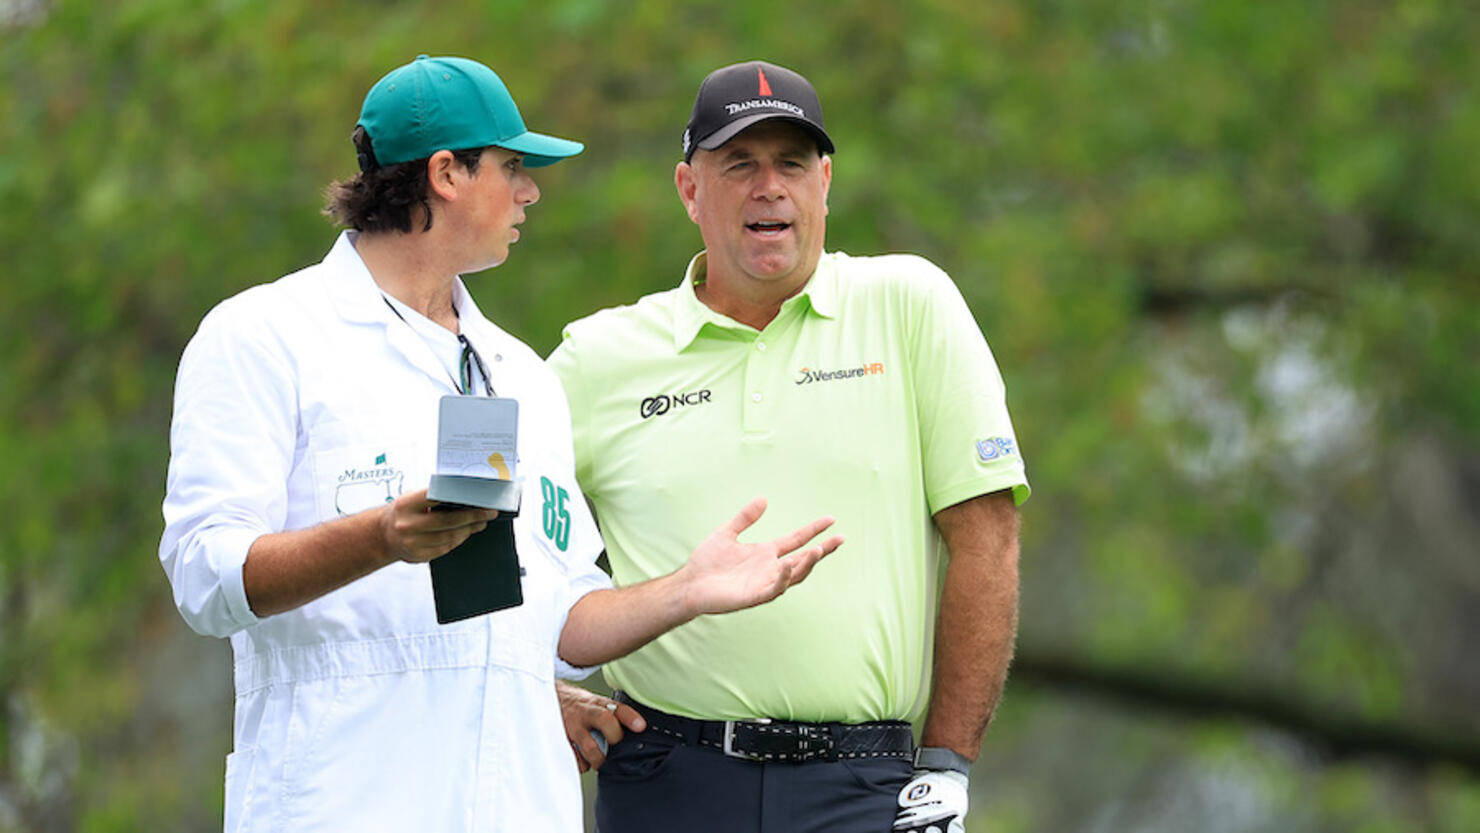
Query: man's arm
(977, 623)
(285, 570)
(721, 575)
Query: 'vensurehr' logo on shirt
(807, 375)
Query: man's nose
(529, 192)
(768, 184)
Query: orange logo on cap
(765, 88)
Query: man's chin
(496, 260)
(772, 268)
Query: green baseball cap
(434, 104)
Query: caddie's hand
(586, 714)
(724, 575)
(934, 801)
(416, 530)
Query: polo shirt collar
(690, 314)
(822, 290)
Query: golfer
(860, 384)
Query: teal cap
(434, 104)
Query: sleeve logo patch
(991, 449)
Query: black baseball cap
(733, 98)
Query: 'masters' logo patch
(807, 375)
(360, 488)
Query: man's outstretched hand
(721, 575)
(724, 574)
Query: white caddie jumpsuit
(307, 399)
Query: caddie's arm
(233, 437)
(285, 570)
(976, 627)
(720, 576)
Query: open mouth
(768, 227)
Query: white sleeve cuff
(234, 545)
(205, 572)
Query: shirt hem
(1015, 479)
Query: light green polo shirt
(871, 397)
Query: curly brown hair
(381, 197)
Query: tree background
(1226, 253)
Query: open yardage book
(477, 460)
(477, 453)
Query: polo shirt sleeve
(581, 544)
(967, 441)
(566, 363)
(582, 573)
(232, 439)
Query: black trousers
(654, 783)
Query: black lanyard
(466, 362)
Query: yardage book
(477, 459)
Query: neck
(413, 270)
(753, 303)
(752, 313)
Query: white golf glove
(934, 801)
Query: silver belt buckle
(730, 739)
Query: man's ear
(687, 183)
(440, 169)
(826, 181)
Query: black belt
(781, 741)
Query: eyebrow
(741, 154)
(735, 154)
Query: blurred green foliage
(1226, 254)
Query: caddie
(860, 384)
(298, 524)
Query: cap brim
(540, 150)
(731, 130)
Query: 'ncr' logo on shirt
(664, 402)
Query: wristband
(941, 758)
